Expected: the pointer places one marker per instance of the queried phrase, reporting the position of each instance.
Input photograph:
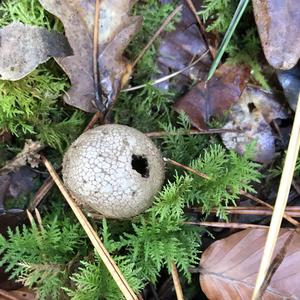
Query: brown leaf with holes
(24, 47)
(252, 115)
(215, 97)
(116, 29)
(278, 24)
(229, 267)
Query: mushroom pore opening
(139, 163)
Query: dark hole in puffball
(139, 163)
(251, 107)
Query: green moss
(30, 108)
(28, 12)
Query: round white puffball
(114, 169)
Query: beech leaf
(24, 47)
(278, 24)
(116, 28)
(229, 266)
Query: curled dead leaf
(229, 267)
(116, 28)
(24, 47)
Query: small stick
(94, 238)
(227, 225)
(41, 193)
(287, 217)
(48, 183)
(96, 72)
(167, 77)
(280, 204)
(175, 163)
(161, 134)
(98, 116)
(176, 282)
(157, 33)
(202, 29)
(259, 211)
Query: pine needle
(281, 200)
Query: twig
(287, 217)
(161, 134)
(167, 77)
(175, 163)
(253, 210)
(48, 183)
(157, 33)
(227, 225)
(41, 193)
(96, 72)
(176, 282)
(98, 116)
(281, 200)
(94, 238)
(202, 29)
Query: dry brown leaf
(229, 267)
(215, 97)
(24, 47)
(20, 294)
(179, 47)
(252, 114)
(278, 25)
(116, 29)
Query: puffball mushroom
(114, 169)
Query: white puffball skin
(114, 169)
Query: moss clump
(30, 108)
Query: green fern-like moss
(30, 108)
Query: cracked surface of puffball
(114, 169)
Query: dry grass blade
(177, 284)
(48, 183)
(96, 73)
(94, 238)
(227, 225)
(161, 134)
(157, 33)
(167, 77)
(281, 200)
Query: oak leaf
(116, 28)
